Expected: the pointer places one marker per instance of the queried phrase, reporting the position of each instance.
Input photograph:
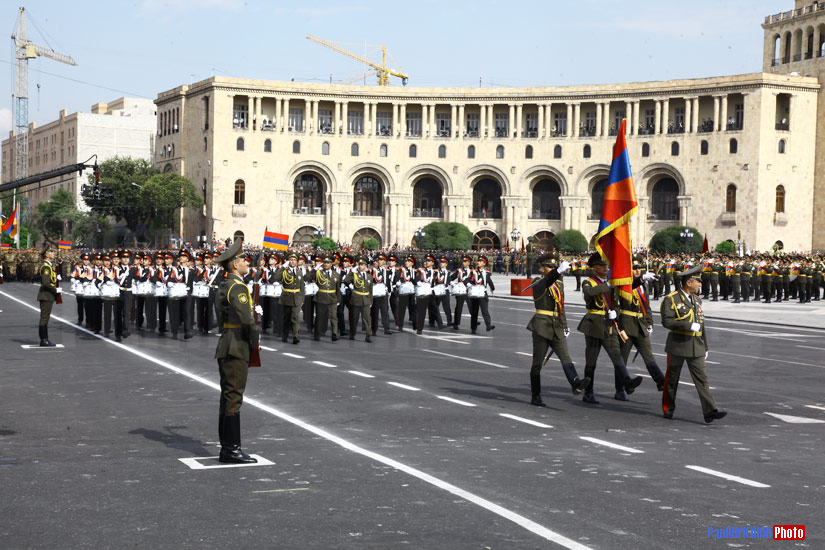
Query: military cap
(348, 258)
(318, 258)
(466, 259)
(638, 261)
(443, 259)
(125, 254)
(184, 254)
(410, 259)
(550, 259)
(327, 259)
(381, 257)
(392, 258)
(692, 273)
(85, 256)
(483, 259)
(231, 253)
(169, 255)
(595, 259)
(291, 255)
(362, 260)
(105, 257)
(429, 258)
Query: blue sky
(142, 47)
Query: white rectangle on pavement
(466, 358)
(815, 407)
(211, 462)
(456, 401)
(609, 444)
(729, 477)
(266, 348)
(356, 373)
(293, 355)
(325, 364)
(403, 386)
(525, 420)
(37, 346)
(796, 419)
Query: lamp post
(686, 235)
(319, 233)
(419, 236)
(515, 235)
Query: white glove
(706, 354)
(59, 278)
(566, 332)
(649, 276)
(695, 327)
(59, 290)
(564, 266)
(611, 315)
(259, 310)
(650, 329)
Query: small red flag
(705, 244)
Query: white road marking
(296, 356)
(775, 335)
(195, 463)
(442, 338)
(37, 346)
(613, 445)
(268, 348)
(525, 420)
(729, 477)
(446, 334)
(403, 386)
(524, 353)
(796, 419)
(456, 401)
(810, 347)
(815, 407)
(466, 358)
(488, 505)
(364, 374)
(684, 383)
(325, 364)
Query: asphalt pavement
(412, 441)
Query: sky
(140, 48)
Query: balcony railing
(531, 133)
(502, 133)
(676, 129)
(545, 215)
(646, 130)
(426, 213)
(734, 126)
(490, 215)
(325, 129)
(783, 126)
(471, 133)
(376, 213)
(587, 131)
(309, 210)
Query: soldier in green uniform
(636, 320)
(326, 300)
(734, 271)
(817, 278)
(239, 335)
(549, 327)
(745, 281)
(292, 296)
(600, 327)
(361, 302)
(47, 294)
(687, 342)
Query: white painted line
(211, 462)
(810, 347)
(613, 445)
(683, 383)
(294, 355)
(448, 334)
(456, 401)
(524, 353)
(709, 362)
(796, 419)
(815, 407)
(525, 420)
(37, 346)
(325, 364)
(466, 358)
(267, 348)
(442, 338)
(356, 373)
(481, 502)
(737, 479)
(403, 386)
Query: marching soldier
(361, 301)
(461, 277)
(292, 296)
(78, 277)
(480, 277)
(326, 300)
(125, 276)
(549, 327)
(109, 280)
(381, 275)
(577, 273)
(424, 301)
(734, 271)
(687, 342)
(346, 262)
(745, 281)
(406, 302)
(442, 277)
(47, 294)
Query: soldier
(461, 277)
(734, 272)
(707, 269)
(480, 277)
(392, 271)
(670, 269)
(442, 277)
(506, 264)
(292, 296)
(346, 262)
(110, 281)
(687, 342)
(745, 280)
(577, 273)
(381, 275)
(816, 279)
(309, 300)
(78, 279)
(125, 276)
(47, 294)
(361, 301)
(239, 336)
(600, 328)
(326, 300)
(425, 280)
(636, 320)
(406, 301)
(549, 327)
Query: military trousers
(356, 315)
(745, 288)
(80, 308)
(767, 288)
(459, 308)
(642, 345)
(559, 345)
(484, 305)
(291, 319)
(123, 308)
(734, 283)
(406, 302)
(696, 365)
(233, 373)
(202, 314)
(425, 305)
(309, 312)
(326, 314)
(45, 312)
(592, 348)
(444, 303)
(380, 307)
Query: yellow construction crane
(382, 71)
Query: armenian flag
(11, 223)
(277, 241)
(5, 245)
(613, 237)
(64, 245)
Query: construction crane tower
(381, 71)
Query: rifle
(255, 353)
(59, 298)
(549, 355)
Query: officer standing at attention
(687, 342)
(292, 296)
(47, 294)
(326, 300)
(549, 327)
(361, 301)
(239, 335)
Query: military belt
(358, 292)
(325, 291)
(632, 313)
(547, 312)
(686, 333)
(292, 290)
(596, 311)
(231, 325)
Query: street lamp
(319, 232)
(419, 236)
(686, 235)
(515, 235)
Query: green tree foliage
(370, 244)
(161, 197)
(725, 247)
(29, 233)
(447, 236)
(121, 180)
(669, 240)
(324, 243)
(53, 216)
(570, 241)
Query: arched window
(307, 194)
(557, 152)
(205, 143)
(730, 198)
(645, 149)
(674, 149)
(703, 147)
(781, 146)
(500, 152)
(240, 192)
(239, 144)
(304, 235)
(172, 149)
(367, 197)
(325, 148)
(268, 146)
(471, 152)
(544, 240)
(528, 152)
(734, 146)
(664, 203)
(382, 151)
(487, 199)
(546, 202)
(353, 151)
(427, 194)
(586, 152)
(442, 151)
(597, 198)
(296, 147)
(486, 240)
(780, 198)
(363, 234)
(413, 151)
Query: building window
(355, 123)
(442, 151)
(586, 152)
(383, 124)
(367, 197)
(557, 152)
(589, 128)
(664, 199)
(325, 121)
(645, 149)
(325, 148)
(443, 124)
(502, 124)
(296, 147)
(296, 119)
(240, 118)
(353, 151)
(650, 120)
(239, 144)
(267, 146)
(781, 146)
(382, 151)
(414, 124)
(205, 143)
(734, 146)
(674, 149)
(597, 199)
(413, 151)
(560, 125)
(528, 152)
(471, 152)
(206, 112)
(307, 195)
(703, 148)
(730, 199)
(240, 192)
(780, 198)
(500, 152)
(472, 125)
(532, 124)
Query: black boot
(535, 388)
(577, 384)
(41, 333)
(232, 452)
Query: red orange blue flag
(613, 237)
(11, 223)
(278, 241)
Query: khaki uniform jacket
(550, 319)
(239, 333)
(595, 322)
(48, 283)
(293, 292)
(677, 316)
(329, 286)
(362, 287)
(633, 318)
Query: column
(336, 118)
(285, 113)
(374, 118)
(491, 121)
(249, 112)
(688, 115)
(716, 100)
(402, 124)
(540, 122)
(482, 121)
(314, 127)
(636, 113)
(453, 114)
(665, 116)
(723, 115)
(606, 120)
(791, 111)
(695, 122)
(345, 117)
(628, 116)
(433, 127)
(462, 122)
(511, 119)
(657, 118)
(577, 116)
(396, 125)
(425, 121)
(548, 121)
(817, 38)
(599, 125)
(570, 121)
(519, 119)
(276, 124)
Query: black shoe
(317, 338)
(235, 455)
(579, 384)
(45, 343)
(368, 339)
(715, 415)
(387, 331)
(174, 336)
(283, 339)
(334, 337)
(491, 327)
(590, 398)
(118, 339)
(660, 386)
(187, 335)
(631, 384)
(419, 332)
(351, 336)
(455, 327)
(295, 341)
(620, 395)
(473, 331)
(432, 325)
(536, 400)
(668, 415)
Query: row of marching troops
(176, 293)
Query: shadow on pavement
(175, 440)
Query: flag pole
(16, 222)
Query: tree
(324, 243)
(447, 236)
(53, 216)
(370, 243)
(725, 247)
(162, 195)
(669, 240)
(570, 241)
